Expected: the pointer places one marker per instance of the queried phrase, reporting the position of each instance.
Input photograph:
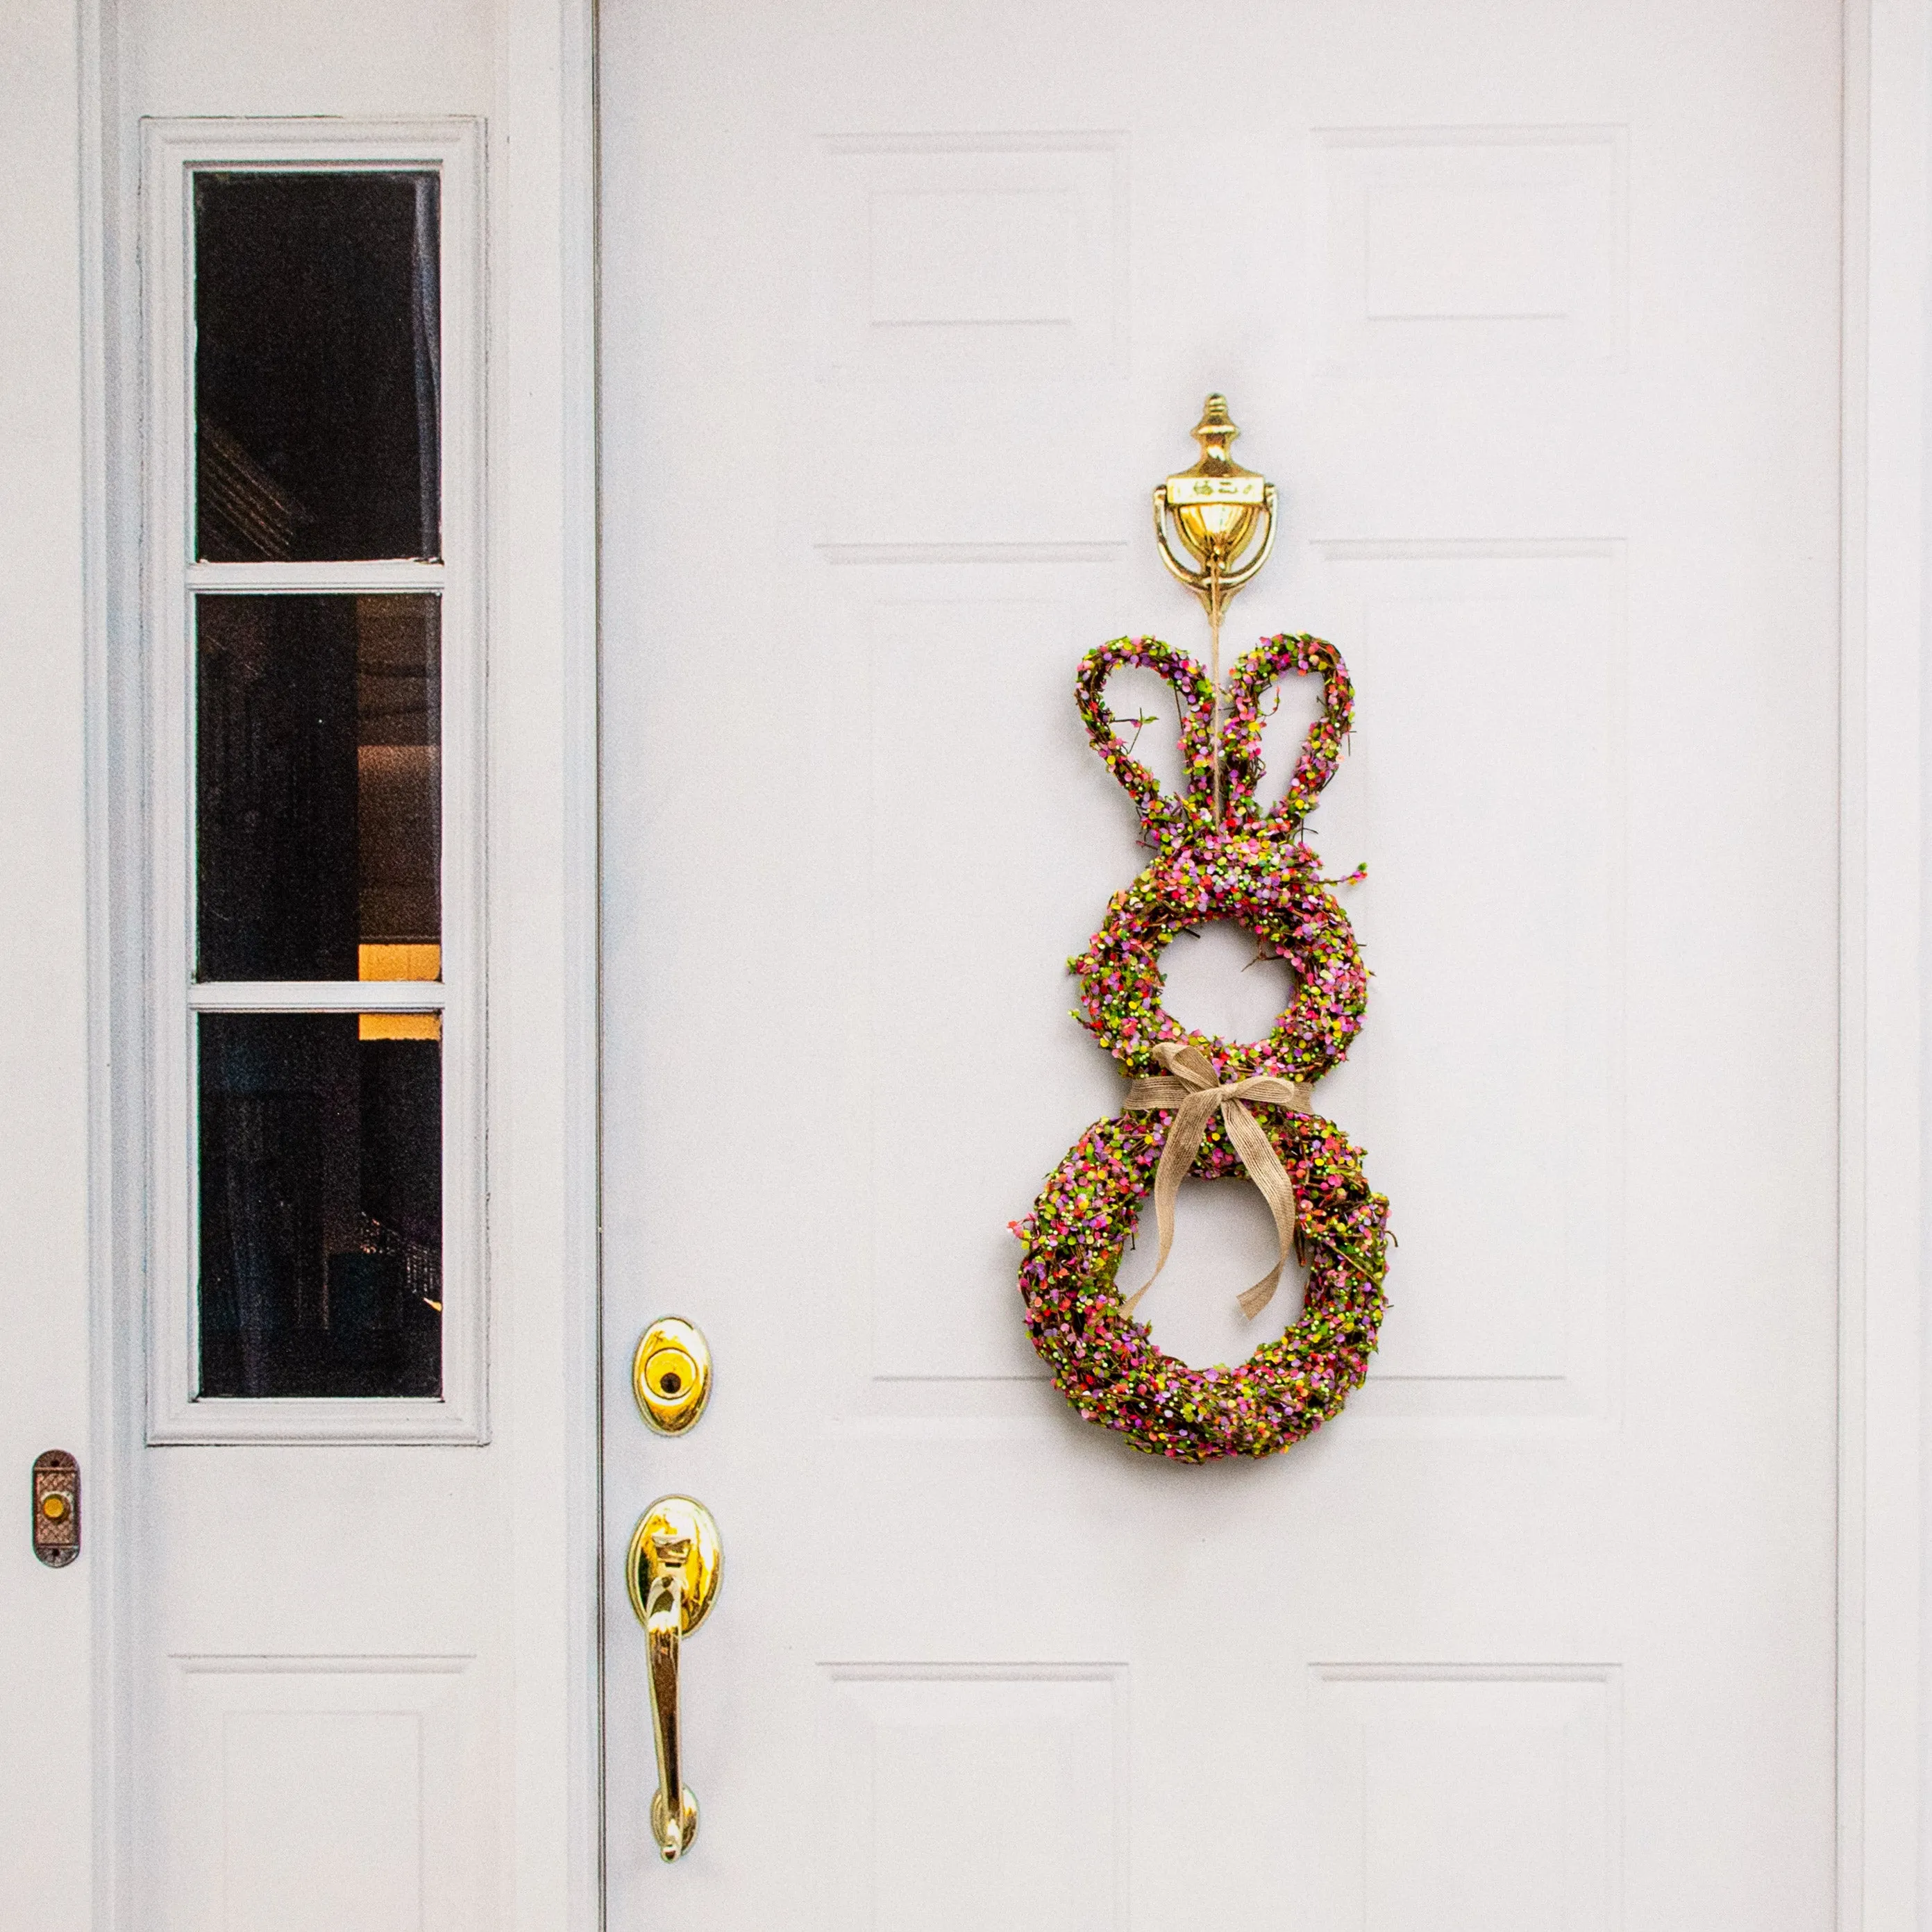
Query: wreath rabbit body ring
(1107, 1364)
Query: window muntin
(316, 727)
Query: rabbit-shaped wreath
(1218, 855)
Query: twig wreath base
(1106, 1364)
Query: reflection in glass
(321, 1206)
(317, 787)
(317, 365)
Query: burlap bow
(1195, 1096)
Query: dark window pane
(317, 787)
(316, 366)
(321, 1211)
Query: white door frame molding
(543, 390)
(1883, 1491)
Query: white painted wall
(46, 1705)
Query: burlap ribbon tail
(1195, 1094)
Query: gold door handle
(673, 1570)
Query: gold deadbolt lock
(670, 1375)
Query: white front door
(1532, 315)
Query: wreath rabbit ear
(1321, 750)
(1194, 693)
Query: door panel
(1532, 315)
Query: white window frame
(174, 151)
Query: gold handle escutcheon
(673, 1570)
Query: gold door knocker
(1220, 512)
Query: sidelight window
(317, 1128)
